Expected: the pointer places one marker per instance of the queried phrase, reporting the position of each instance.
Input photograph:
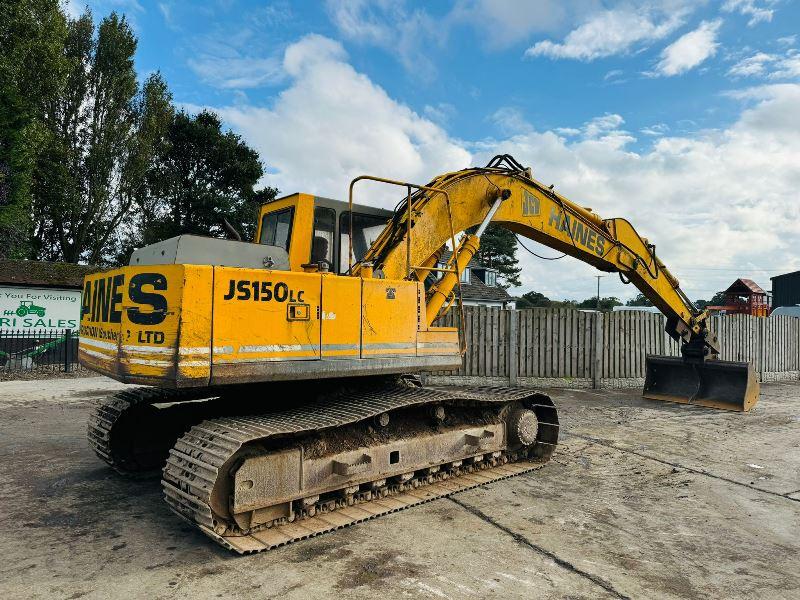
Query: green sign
(32, 309)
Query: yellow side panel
(390, 315)
(101, 318)
(131, 321)
(194, 350)
(341, 317)
(262, 316)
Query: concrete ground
(641, 500)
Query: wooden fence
(565, 347)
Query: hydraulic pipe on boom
(440, 291)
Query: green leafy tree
(32, 68)
(200, 176)
(533, 300)
(606, 304)
(639, 300)
(717, 300)
(498, 249)
(103, 130)
(563, 304)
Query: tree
(639, 300)
(533, 300)
(498, 249)
(102, 130)
(32, 68)
(606, 304)
(717, 300)
(200, 176)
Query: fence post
(513, 345)
(761, 347)
(597, 350)
(67, 348)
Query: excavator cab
(314, 230)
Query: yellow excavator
(280, 393)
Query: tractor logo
(26, 307)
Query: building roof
(476, 289)
(792, 274)
(43, 274)
(472, 263)
(743, 286)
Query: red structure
(744, 297)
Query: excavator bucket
(719, 384)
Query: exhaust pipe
(721, 384)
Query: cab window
(322, 242)
(366, 229)
(276, 228)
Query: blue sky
(679, 115)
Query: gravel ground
(641, 500)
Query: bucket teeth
(720, 384)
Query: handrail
(409, 186)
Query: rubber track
(196, 460)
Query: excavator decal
(263, 291)
(530, 204)
(102, 299)
(585, 235)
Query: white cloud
(600, 126)
(412, 34)
(332, 123)
(510, 120)
(752, 65)
(236, 72)
(390, 25)
(757, 11)
(721, 199)
(789, 40)
(167, 12)
(725, 199)
(656, 130)
(689, 50)
(514, 21)
(611, 32)
(440, 113)
(787, 67)
(770, 66)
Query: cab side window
(366, 229)
(276, 228)
(322, 242)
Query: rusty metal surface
(720, 384)
(274, 537)
(203, 456)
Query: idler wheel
(523, 426)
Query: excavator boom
(530, 209)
